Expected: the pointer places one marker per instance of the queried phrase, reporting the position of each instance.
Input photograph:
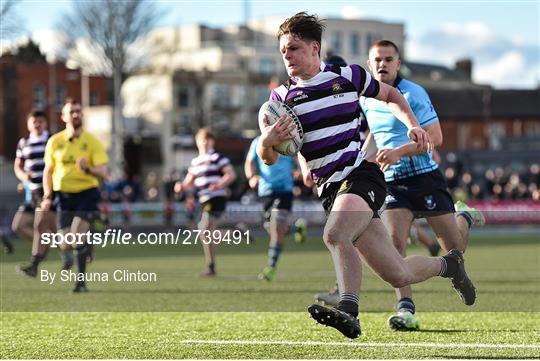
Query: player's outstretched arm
(401, 109)
(386, 157)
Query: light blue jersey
(276, 178)
(390, 133)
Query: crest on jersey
(430, 202)
(336, 87)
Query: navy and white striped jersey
(329, 111)
(31, 150)
(207, 169)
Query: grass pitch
(237, 316)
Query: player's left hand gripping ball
(273, 111)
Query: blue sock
(273, 255)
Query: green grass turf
(159, 335)
(181, 306)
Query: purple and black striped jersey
(207, 169)
(328, 108)
(31, 150)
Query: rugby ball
(273, 110)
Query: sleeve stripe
(347, 73)
(429, 120)
(367, 81)
(362, 82)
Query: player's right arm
(18, 164)
(400, 108)
(272, 135)
(387, 157)
(185, 185)
(250, 170)
(425, 113)
(250, 165)
(18, 168)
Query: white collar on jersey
(43, 136)
(307, 82)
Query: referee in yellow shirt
(75, 161)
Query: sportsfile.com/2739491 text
(120, 237)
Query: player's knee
(333, 237)
(18, 224)
(399, 279)
(279, 216)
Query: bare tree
(9, 22)
(109, 27)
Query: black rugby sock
(82, 252)
(348, 303)
(36, 259)
(449, 267)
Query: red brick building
(483, 125)
(28, 81)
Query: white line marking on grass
(357, 344)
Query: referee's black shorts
(82, 204)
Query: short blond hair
(205, 133)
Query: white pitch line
(358, 344)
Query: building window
(354, 44)
(182, 125)
(239, 96)
(220, 121)
(39, 96)
(335, 42)
(60, 97)
(183, 97)
(532, 129)
(263, 94)
(496, 133)
(221, 95)
(94, 98)
(370, 39)
(266, 66)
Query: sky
(501, 37)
